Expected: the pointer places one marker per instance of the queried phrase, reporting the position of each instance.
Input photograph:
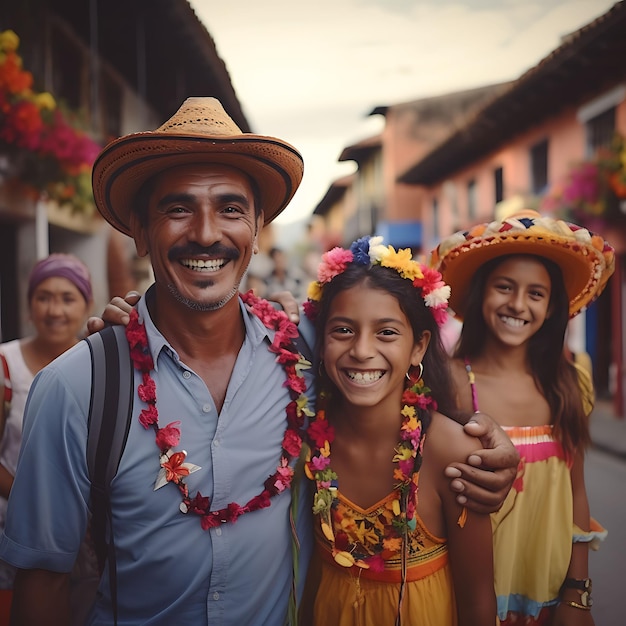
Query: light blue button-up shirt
(169, 570)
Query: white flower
(438, 296)
(377, 250)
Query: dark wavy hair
(436, 373)
(554, 374)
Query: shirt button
(206, 408)
(216, 443)
(218, 532)
(216, 596)
(186, 374)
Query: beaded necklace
(173, 465)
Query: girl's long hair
(436, 362)
(554, 374)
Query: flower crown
(370, 251)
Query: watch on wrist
(583, 586)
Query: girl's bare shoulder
(448, 442)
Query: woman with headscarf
(59, 301)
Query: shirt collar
(256, 332)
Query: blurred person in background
(285, 276)
(59, 302)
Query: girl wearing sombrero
(515, 283)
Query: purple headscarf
(62, 266)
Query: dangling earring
(320, 368)
(421, 366)
(408, 374)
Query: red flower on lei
(173, 467)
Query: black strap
(110, 412)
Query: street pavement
(608, 432)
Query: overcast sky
(310, 71)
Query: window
(600, 131)
(539, 167)
(449, 190)
(471, 200)
(498, 182)
(435, 219)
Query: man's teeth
(365, 377)
(200, 265)
(512, 321)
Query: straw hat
(199, 132)
(586, 260)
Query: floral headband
(370, 251)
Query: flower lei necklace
(174, 469)
(347, 549)
(350, 550)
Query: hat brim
(580, 265)
(127, 163)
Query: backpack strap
(110, 412)
(6, 383)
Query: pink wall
(566, 145)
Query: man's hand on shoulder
(116, 312)
(484, 481)
(288, 303)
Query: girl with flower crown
(392, 543)
(515, 283)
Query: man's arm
(52, 593)
(484, 481)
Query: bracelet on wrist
(575, 605)
(584, 587)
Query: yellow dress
(534, 530)
(352, 596)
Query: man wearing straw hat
(209, 524)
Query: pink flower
(292, 443)
(168, 436)
(430, 280)
(321, 431)
(149, 416)
(376, 563)
(333, 262)
(319, 463)
(406, 466)
(286, 356)
(200, 504)
(285, 474)
(440, 314)
(209, 521)
(310, 310)
(296, 383)
(147, 390)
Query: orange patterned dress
(352, 596)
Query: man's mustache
(191, 249)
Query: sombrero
(586, 260)
(199, 132)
